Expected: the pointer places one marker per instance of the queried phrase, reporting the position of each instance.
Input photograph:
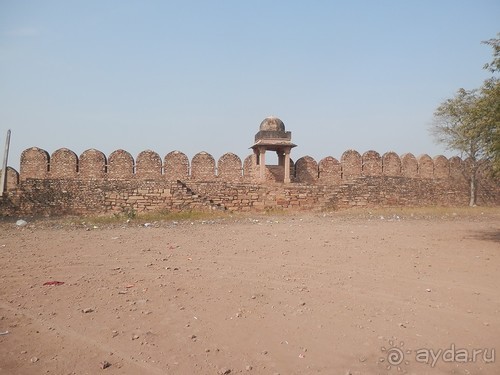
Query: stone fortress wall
(120, 165)
(93, 183)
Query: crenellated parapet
(93, 164)
(353, 165)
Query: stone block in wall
(425, 166)
(34, 164)
(330, 170)
(229, 167)
(456, 167)
(351, 164)
(148, 165)
(92, 165)
(371, 163)
(203, 167)
(391, 164)
(120, 165)
(63, 164)
(409, 166)
(306, 170)
(176, 166)
(441, 167)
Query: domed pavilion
(272, 136)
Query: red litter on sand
(54, 283)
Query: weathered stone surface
(351, 164)
(120, 165)
(391, 164)
(34, 163)
(148, 165)
(95, 189)
(203, 167)
(12, 179)
(229, 167)
(441, 167)
(306, 170)
(409, 166)
(176, 166)
(92, 165)
(249, 167)
(425, 166)
(371, 163)
(63, 164)
(456, 167)
(330, 171)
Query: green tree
(494, 65)
(470, 123)
(455, 126)
(490, 104)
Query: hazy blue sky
(202, 75)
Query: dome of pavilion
(272, 124)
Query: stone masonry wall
(92, 183)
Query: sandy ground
(303, 294)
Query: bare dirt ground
(341, 293)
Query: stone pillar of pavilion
(273, 137)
